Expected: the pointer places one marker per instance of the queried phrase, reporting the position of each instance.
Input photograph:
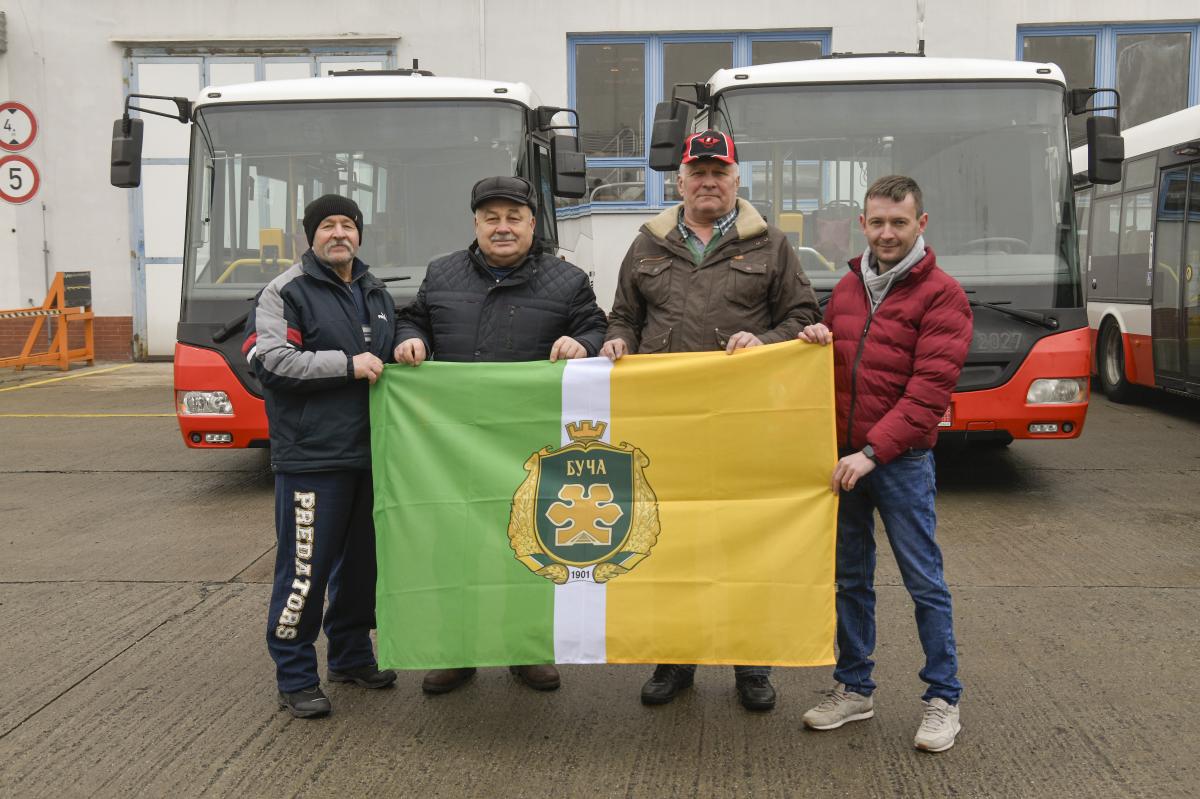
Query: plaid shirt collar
(721, 226)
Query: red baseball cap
(709, 144)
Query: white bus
(987, 142)
(1140, 240)
(405, 145)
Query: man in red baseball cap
(710, 274)
(709, 144)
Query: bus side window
(1083, 213)
(1104, 232)
(1133, 270)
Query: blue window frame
(1163, 59)
(621, 153)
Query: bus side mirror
(1106, 150)
(666, 137)
(126, 169)
(570, 168)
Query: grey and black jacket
(301, 339)
(463, 313)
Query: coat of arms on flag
(586, 510)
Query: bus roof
(368, 87)
(882, 70)
(1177, 128)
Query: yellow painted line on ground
(84, 415)
(66, 377)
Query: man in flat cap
(502, 299)
(315, 373)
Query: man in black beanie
(315, 374)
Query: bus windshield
(409, 165)
(991, 159)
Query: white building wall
(66, 59)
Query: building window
(1154, 67)
(616, 81)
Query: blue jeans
(903, 491)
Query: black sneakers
(309, 703)
(668, 680)
(312, 703)
(755, 692)
(365, 676)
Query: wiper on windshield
(1048, 322)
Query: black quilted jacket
(464, 314)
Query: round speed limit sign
(19, 179)
(18, 126)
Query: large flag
(665, 509)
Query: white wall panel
(164, 192)
(227, 73)
(286, 70)
(166, 138)
(162, 307)
(324, 67)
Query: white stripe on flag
(579, 607)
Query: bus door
(1175, 304)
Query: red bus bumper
(1003, 409)
(199, 369)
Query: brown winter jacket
(751, 280)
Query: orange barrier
(54, 307)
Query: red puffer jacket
(894, 371)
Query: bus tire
(1110, 357)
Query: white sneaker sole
(920, 747)
(840, 722)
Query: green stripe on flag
(450, 591)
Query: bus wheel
(1112, 365)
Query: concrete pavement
(134, 576)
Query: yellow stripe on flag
(743, 570)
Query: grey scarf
(879, 285)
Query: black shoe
(668, 680)
(368, 676)
(755, 692)
(309, 703)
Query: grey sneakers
(939, 726)
(839, 707)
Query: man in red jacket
(900, 328)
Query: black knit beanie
(330, 205)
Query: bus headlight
(1057, 391)
(203, 403)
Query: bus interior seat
(270, 244)
(832, 226)
(792, 222)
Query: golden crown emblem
(586, 430)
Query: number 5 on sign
(19, 179)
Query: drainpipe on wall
(482, 42)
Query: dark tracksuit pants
(326, 537)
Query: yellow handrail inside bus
(279, 263)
